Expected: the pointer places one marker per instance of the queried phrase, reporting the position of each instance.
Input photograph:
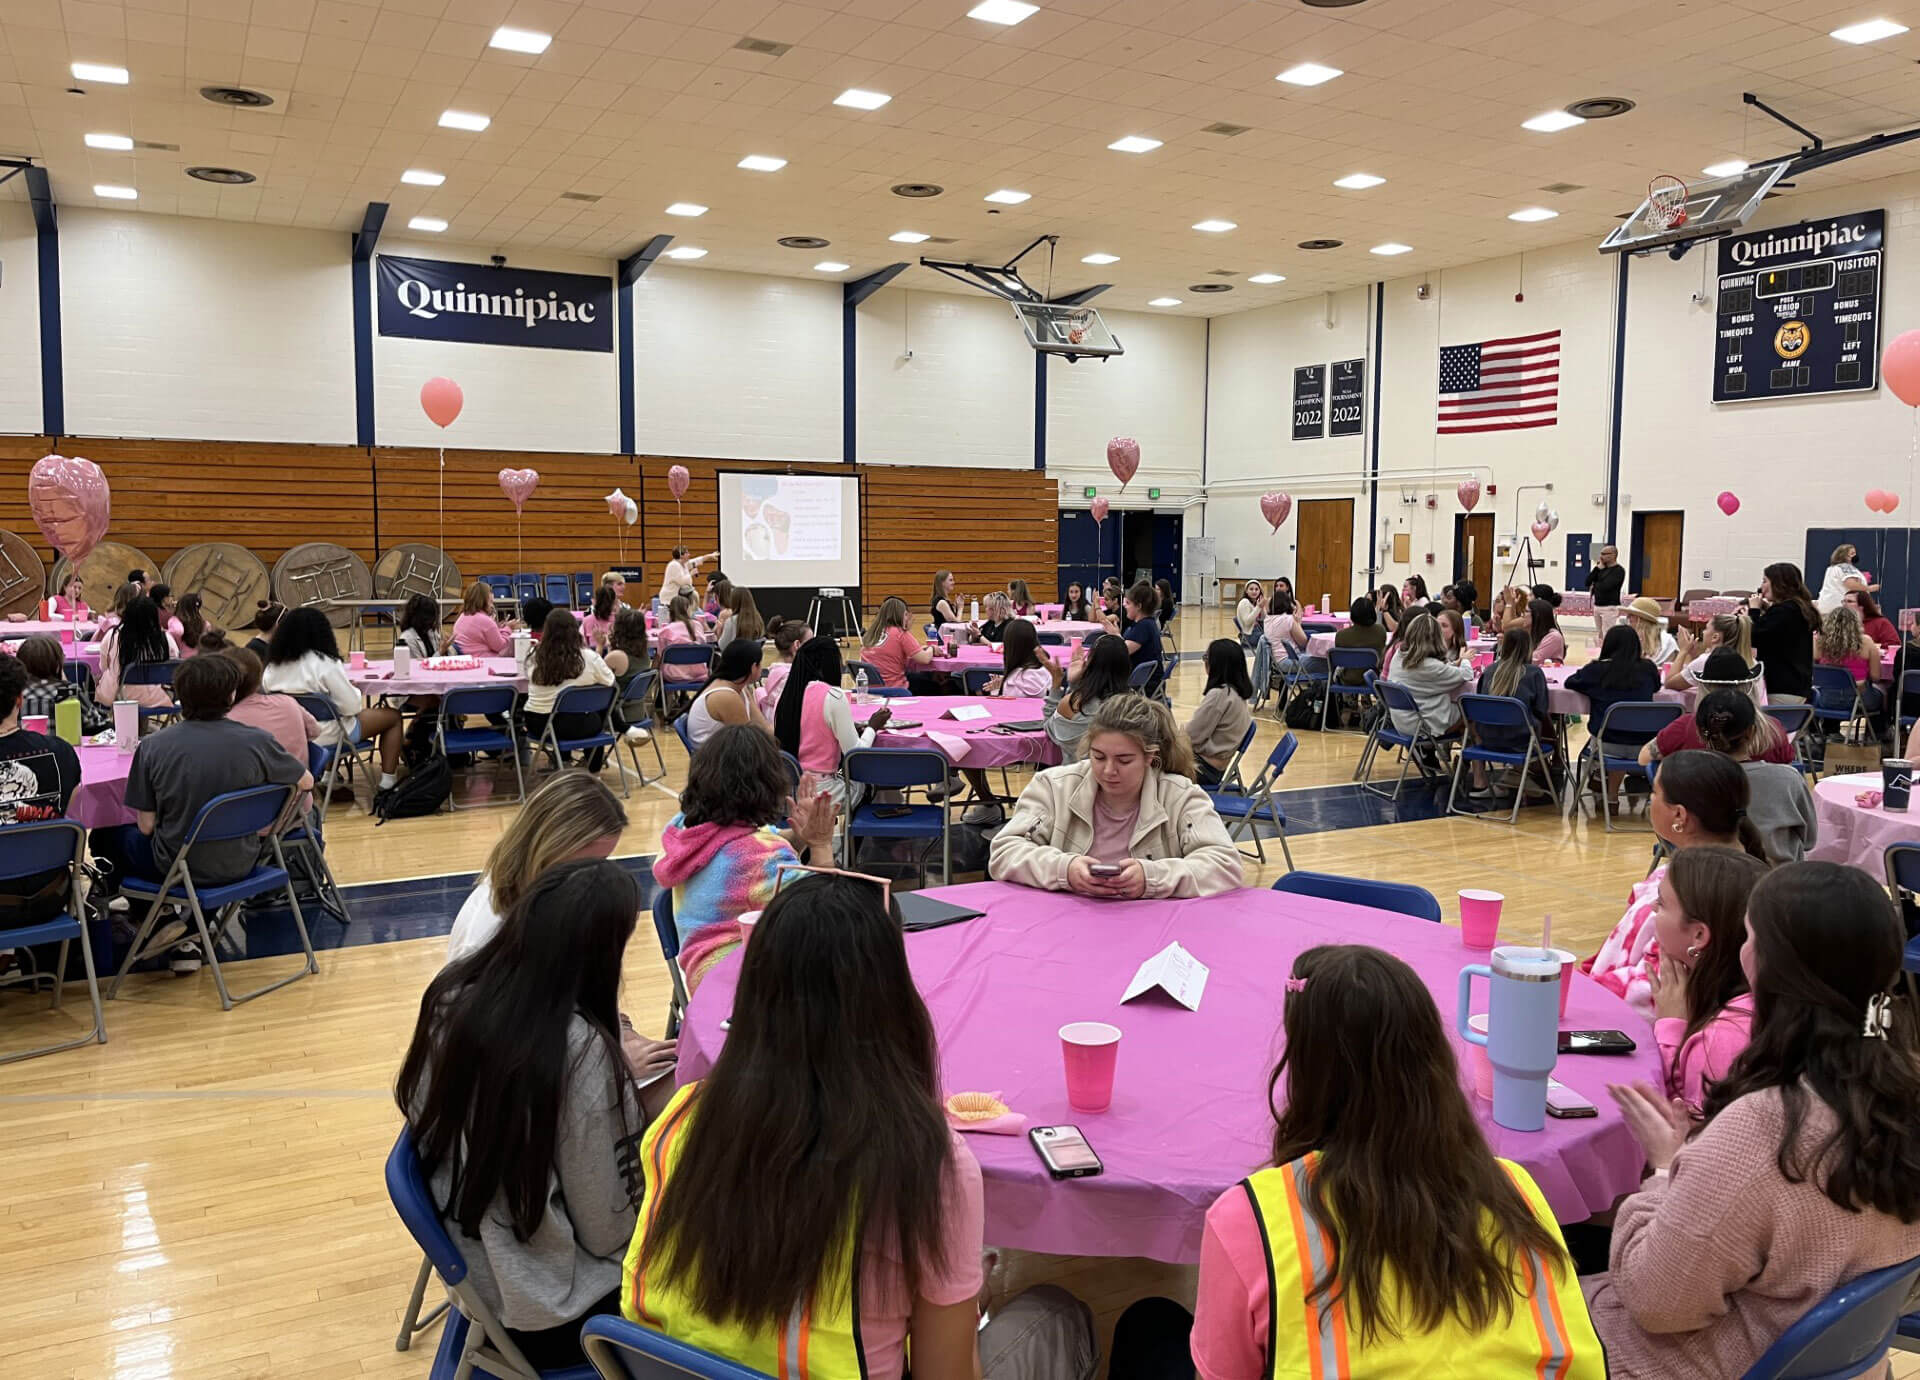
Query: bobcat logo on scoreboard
(1792, 339)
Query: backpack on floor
(424, 791)
(1302, 711)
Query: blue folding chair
(234, 815)
(1909, 685)
(1845, 1334)
(1295, 672)
(1793, 720)
(583, 589)
(339, 758)
(890, 692)
(1144, 676)
(487, 702)
(634, 712)
(973, 679)
(81, 675)
(584, 699)
(1836, 698)
(1253, 805)
(304, 834)
(1632, 722)
(680, 731)
(669, 936)
(854, 668)
(1053, 639)
(1396, 699)
(559, 591)
(474, 1342)
(1506, 713)
(685, 654)
(794, 772)
(152, 673)
(1399, 897)
(501, 585)
(526, 585)
(27, 850)
(904, 770)
(1230, 774)
(1362, 659)
(621, 1350)
(1902, 862)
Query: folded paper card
(967, 712)
(1174, 971)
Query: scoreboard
(1798, 309)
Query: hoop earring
(1693, 951)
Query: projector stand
(827, 600)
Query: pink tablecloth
(1066, 628)
(52, 628)
(377, 678)
(967, 742)
(1189, 1115)
(1702, 609)
(1849, 833)
(1572, 603)
(984, 655)
(101, 797)
(1561, 700)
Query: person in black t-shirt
(1607, 579)
(1143, 630)
(38, 775)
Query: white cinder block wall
(964, 398)
(207, 330)
(736, 365)
(1155, 392)
(19, 320)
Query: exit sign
(1153, 494)
(1087, 492)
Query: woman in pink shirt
(889, 648)
(788, 634)
(69, 604)
(476, 631)
(1701, 1004)
(281, 716)
(813, 720)
(682, 629)
(598, 623)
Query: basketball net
(1666, 202)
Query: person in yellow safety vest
(1385, 1239)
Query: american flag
(1500, 385)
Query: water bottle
(973, 616)
(1523, 1030)
(860, 687)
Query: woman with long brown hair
(1784, 623)
(559, 662)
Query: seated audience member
(1283, 585)
(521, 1089)
(137, 639)
(1076, 607)
(214, 640)
(1095, 673)
(1649, 624)
(1781, 807)
(476, 631)
(1363, 632)
(1807, 1170)
(138, 579)
(1723, 669)
(598, 624)
(1784, 624)
(722, 853)
(1413, 1249)
(1875, 624)
(787, 636)
(38, 775)
(1731, 631)
(719, 592)
(1129, 804)
(808, 1198)
(813, 720)
(1224, 714)
(1168, 606)
(1020, 599)
(192, 621)
(280, 717)
(1142, 632)
(996, 612)
(1621, 674)
(162, 596)
(627, 656)
(572, 818)
(1413, 592)
(890, 649)
(560, 662)
(266, 618)
(1286, 635)
(1515, 676)
(1699, 799)
(1549, 593)
(1026, 671)
(1701, 1004)
(1462, 596)
(45, 661)
(122, 596)
(1454, 635)
(729, 697)
(70, 604)
(420, 626)
(304, 659)
(682, 628)
(1250, 613)
(1421, 668)
(1549, 643)
(946, 602)
(742, 620)
(1510, 610)
(533, 616)
(1840, 642)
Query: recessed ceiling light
(1006, 196)
(429, 223)
(760, 162)
(1134, 143)
(1390, 248)
(1726, 169)
(1268, 278)
(115, 193)
(119, 143)
(1002, 11)
(1164, 302)
(907, 237)
(686, 251)
(1309, 74)
(1872, 31)
(829, 266)
(686, 208)
(462, 119)
(420, 177)
(1532, 213)
(1215, 227)
(94, 71)
(1100, 259)
(1358, 182)
(862, 100)
(519, 40)
(1552, 122)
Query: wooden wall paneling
(986, 526)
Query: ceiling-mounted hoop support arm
(1002, 280)
(1817, 144)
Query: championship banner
(431, 299)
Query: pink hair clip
(1295, 984)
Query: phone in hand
(1596, 1042)
(1106, 869)
(1565, 1103)
(1065, 1152)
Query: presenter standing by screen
(680, 572)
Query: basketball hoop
(1666, 202)
(1077, 325)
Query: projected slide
(789, 530)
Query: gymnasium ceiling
(643, 103)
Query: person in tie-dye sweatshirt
(721, 854)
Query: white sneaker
(986, 812)
(637, 734)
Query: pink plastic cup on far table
(1480, 918)
(356, 661)
(1090, 1049)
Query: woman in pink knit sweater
(1806, 1173)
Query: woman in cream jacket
(1130, 805)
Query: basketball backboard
(1715, 206)
(1054, 328)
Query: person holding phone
(813, 720)
(1384, 1238)
(1124, 822)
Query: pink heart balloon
(1123, 458)
(1900, 367)
(70, 503)
(1729, 502)
(677, 481)
(519, 485)
(441, 400)
(1099, 507)
(1540, 531)
(1889, 501)
(1274, 507)
(1469, 492)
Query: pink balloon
(1274, 507)
(441, 400)
(677, 481)
(616, 503)
(1469, 492)
(1123, 458)
(1889, 501)
(1540, 530)
(519, 485)
(1875, 497)
(1099, 507)
(1900, 367)
(1729, 502)
(70, 503)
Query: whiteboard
(1200, 556)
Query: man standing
(1605, 581)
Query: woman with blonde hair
(1842, 642)
(1423, 668)
(1125, 821)
(572, 817)
(1729, 630)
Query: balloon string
(441, 504)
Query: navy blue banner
(431, 299)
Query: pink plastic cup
(1480, 918)
(357, 661)
(1569, 964)
(35, 723)
(1090, 1049)
(66, 635)
(1477, 1061)
(746, 920)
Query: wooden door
(1475, 556)
(1660, 554)
(1323, 564)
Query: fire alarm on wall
(1493, 488)
(1433, 500)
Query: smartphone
(892, 811)
(1106, 869)
(1065, 1152)
(1563, 1101)
(1596, 1042)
